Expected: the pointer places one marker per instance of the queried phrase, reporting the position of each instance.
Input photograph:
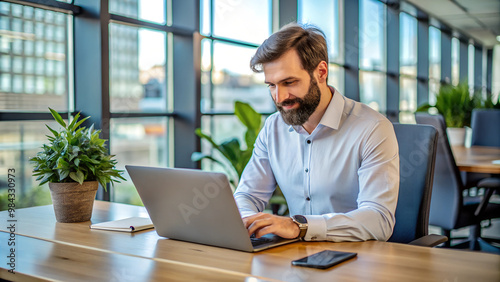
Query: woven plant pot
(73, 202)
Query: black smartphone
(324, 259)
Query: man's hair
(309, 42)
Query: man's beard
(306, 108)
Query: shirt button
(307, 170)
(308, 141)
(308, 199)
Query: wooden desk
(477, 159)
(376, 261)
(39, 260)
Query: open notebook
(130, 224)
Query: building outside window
(34, 59)
(138, 84)
(35, 75)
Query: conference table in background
(477, 159)
(49, 250)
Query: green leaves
(247, 115)
(58, 118)
(455, 103)
(77, 176)
(53, 131)
(231, 149)
(75, 154)
(251, 119)
(63, 173)
(488, 103)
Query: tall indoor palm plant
(231, 149)
(237, 156)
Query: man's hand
(263, 223)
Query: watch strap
(302, 227)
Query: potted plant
(233, 152)
(74, 163)
(455, 104)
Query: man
(336, 160)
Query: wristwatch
(301, 221)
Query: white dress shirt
(343, 177)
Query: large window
(228, 78)
(372, 54)
(372, 37)
(34, 58)
(471, 74)
(232, 35)
(34, 75)
(146, 10)
(434, 63)
(325, 15)
(373, 90)
(158, 69)
(19, 141)
(407, 68)
(237, 20)
(36, 72)
(139, 88)
(139, 141)
(137, 69)
(455, 61)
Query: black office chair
(417, 152)
(449, 208)
(485, 127)
(486, 132)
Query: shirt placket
(308, 142)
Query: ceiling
(478, 19)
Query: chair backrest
(485, 126)
(447, 189)
(417, 152)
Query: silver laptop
(196, 206)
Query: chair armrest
(490, 182)
(430, 240)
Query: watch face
(300, 219)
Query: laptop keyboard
(260, 241)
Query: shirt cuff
(316, 229)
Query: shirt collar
(333, 114)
